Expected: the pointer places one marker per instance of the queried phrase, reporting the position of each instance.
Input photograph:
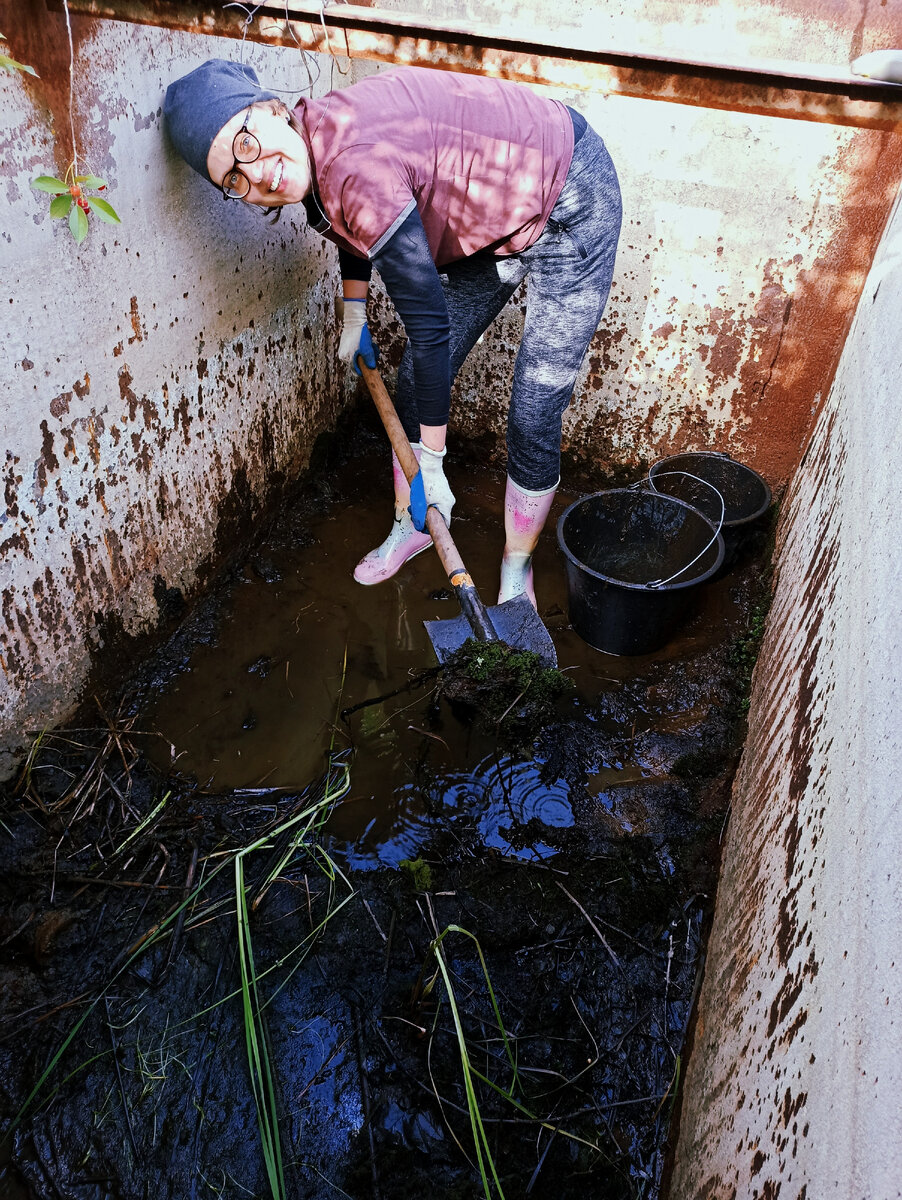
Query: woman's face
(279, 174)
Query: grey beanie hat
(199, 104)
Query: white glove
(353, 331)
(435, 484)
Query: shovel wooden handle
(470, 602)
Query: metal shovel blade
(515, 621)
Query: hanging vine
(71, 197)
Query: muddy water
(298, 641)
(581, 857)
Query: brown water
(258, 707)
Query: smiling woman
(258, 157)
(417, 172)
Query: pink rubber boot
(402, 543)
(525, 514)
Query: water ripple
(499, 797)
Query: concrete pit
(166, 383)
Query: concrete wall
(794, 1083)
(159, 381)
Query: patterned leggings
(568, 272)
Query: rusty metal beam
(798, 91)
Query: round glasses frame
(246, 149)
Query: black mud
(572, 865)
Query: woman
(455, 188)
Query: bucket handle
(656, 583)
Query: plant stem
(71, 84)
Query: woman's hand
(436, 489)
(355, 334)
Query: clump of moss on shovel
(503, 685)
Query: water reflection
(507, 802)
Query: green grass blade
(262, 1083)
(480, 1138)
(471, 1073)
(154, 812)
(495, 1009)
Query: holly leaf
(49, 183)
(91, 181)
(78, 223)
(104, 210)
(59, 205)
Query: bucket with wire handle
(634, 560)
(706, 479)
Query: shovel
(514, 622)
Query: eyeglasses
(246, 149)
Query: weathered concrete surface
(159, 381)
(794, 1084)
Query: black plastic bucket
(633, 561)
(702, 479)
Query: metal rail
(775, 87)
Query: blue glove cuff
(418, 504)
(366, 350)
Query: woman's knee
(534, 460)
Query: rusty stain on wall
(773, 359)
(41, 40)
(771, 863)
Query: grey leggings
(568, 272)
